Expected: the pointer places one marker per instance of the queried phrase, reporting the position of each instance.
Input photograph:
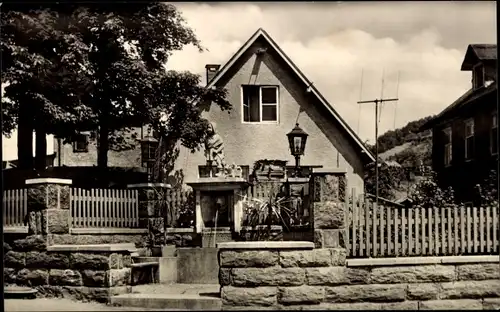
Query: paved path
(55, 304)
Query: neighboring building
(10, 164)
(465, 134)
(269, 94)
(83, 151)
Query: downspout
(59, 149)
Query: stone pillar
(329, 212)
(48, 206)
(155, 212)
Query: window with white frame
(494, 134)
(469, 139)
(448, 149)
(260, 103)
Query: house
(465, 134)
(9, 164)
(269, 95)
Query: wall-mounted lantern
(297, 139)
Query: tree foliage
(427, 193)
(389, 178)
(97, 66)
(393, 138)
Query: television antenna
(377, 102)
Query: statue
(214, 151)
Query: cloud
(334, 43)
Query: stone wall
(273, 277)
(84, 274)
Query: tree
(103, 68)
(389, 178)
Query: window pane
(269, 95)
(251, 105)
(469, 129)
(494, 141)
(269, 113)
(470, 148)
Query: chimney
(212, 70)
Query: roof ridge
(261, 32)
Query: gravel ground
(53, 304)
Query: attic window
(260, 103)
(81, 143)
(478, 76)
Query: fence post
(48, 206)
(329, 211)
(154, 210)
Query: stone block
(328, 187)
(413, 274)
(425, 291)
(471, 289)
(6, 248)
(33, 277)
(406, 305)
(301, 295)
(57, 221)
(244, 259)
(37, 223)
(274, 276)
(326, 238)
(9, 275)
(339, 256)
(481, 271)
(329, 215)
(225, 276)
(306, 258)
(65, 277)
(256, 296)
(360, 293)
(64, 197)
(116, 261)
(48, 260)
(95, 278)
(30, 243)
(119, 277)
(333, 276)
(13, 259)
(37, 197)
(466, 304)
(84, 261)
(491, 304)
(358, 306)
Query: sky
(351, 51)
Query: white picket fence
(15, 207)
(104, 208)
(378, 231)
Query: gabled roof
(307, 84)
(478, 52)
(467, 98)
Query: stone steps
(171, 297)
(16, 292)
